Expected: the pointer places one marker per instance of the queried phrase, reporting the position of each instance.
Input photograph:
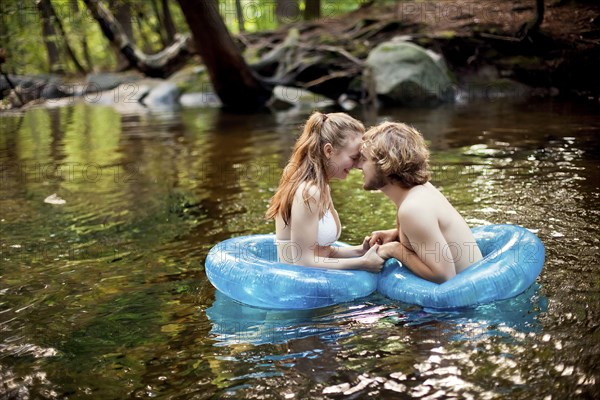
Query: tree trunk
(529, 29)
(159, 23)
(3, 57)
(287, 11)
(168, 22)
(240, 15)
(4, 34)
(46, 5)
(146, 45)
(539, 15)
(158, 65)
(122, 13)
(234, 82)
(83, 37)
(49, 35)
(312, 9)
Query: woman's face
(342, 160)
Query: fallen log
(159, 65)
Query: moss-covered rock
(407, 74)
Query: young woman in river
(306, 221)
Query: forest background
(548, 44)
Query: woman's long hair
(307, 163)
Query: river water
(103, 293)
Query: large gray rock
(407, 74)
(200, 99)
(166, 94)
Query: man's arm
(429, 256)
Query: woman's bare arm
(304, 239)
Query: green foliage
(21, 29)
(260, 15)
(22, 36)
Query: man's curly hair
(399, 152)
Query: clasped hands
(386, 241)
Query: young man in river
(431, 238)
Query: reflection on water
(105, 295)
(234, 323)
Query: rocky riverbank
(409, 53)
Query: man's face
(373, 178)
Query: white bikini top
(327, 232)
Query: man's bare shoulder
(417, 208)
(408, 208)
(414, 212)
(418, 199)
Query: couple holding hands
(430, 237)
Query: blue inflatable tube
(246, 269)
(512, 259)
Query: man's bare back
(459, 244)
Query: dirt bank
(481, 41)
